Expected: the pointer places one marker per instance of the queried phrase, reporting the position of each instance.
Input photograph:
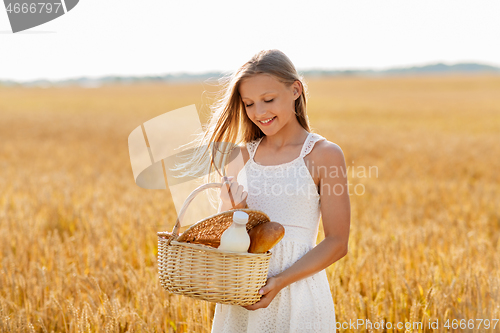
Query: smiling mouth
(267, 121)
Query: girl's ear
(295, 93)
(296, 88)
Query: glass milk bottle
(236, 238)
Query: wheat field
(78, 238)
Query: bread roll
(265, 236)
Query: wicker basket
(190, 268)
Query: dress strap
(308, 146)
(252, 146)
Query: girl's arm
(336, 216)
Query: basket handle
(190, 198)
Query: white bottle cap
(240, 217)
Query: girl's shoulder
(247, 149)
(238, 157)
(326, 153)
(243, 151)
(321, 156)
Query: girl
(284, 170)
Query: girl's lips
(268, 122)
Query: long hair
(229, 125)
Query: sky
(158, 37)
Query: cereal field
(78, 238)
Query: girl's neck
(291, 134)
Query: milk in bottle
(235, 238)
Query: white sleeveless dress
(288, 195)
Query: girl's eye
(269, 101)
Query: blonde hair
(229, 125)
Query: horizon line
(302, 70)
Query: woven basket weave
(189, 267)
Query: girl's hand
(270, 290)
(239, 196)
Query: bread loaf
(265, 236)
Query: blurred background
(412, 88)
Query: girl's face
(269, 103)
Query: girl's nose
(260, 110)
